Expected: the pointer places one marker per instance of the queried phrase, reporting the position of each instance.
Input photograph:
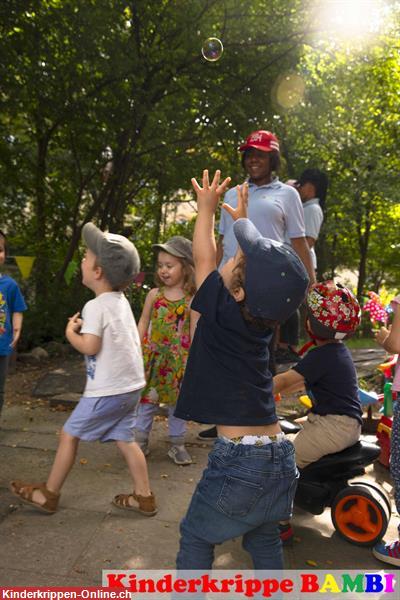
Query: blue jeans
(395, 453)
(145, 416)
(244, 491)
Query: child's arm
(145, 317)
(86, 343)
(240, 212)
(204, 247)
(389, 339)
(194, 317)
(289, 382)
(17, 319)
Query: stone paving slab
(47, 543)
(13, 576)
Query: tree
(78, 77)
(347, 126)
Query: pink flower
(185, 341)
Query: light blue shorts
(106, 419)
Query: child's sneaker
(388, 553)
(180, 455)
(286, 533)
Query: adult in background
(312, 186)
(274, 207)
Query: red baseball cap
(261, 140)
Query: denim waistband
(254, 440)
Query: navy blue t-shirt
(331, 377)
(227, 380)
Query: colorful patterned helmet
(333, 311)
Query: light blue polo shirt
(275, 209)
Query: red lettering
(252, 586)
(225, 585)
(114, 581)
(192, 585)
(164, 584)
(146, 586)
(309, 582)
(270, 586)
(180, 585)
(209, 585)
(286, 586)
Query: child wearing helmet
(328, 374)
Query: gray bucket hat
(275, 280)
(177, 246)
(117, 256)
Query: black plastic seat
(362, 453)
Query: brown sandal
(146, 504)
(24, 491)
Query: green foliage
(107, 109)
(80, 77)
(348, 126)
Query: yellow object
(385, 429)
(384, 366)
(25, 264)
(306, 401)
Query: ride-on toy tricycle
(360, 509)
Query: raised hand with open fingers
(240, 211)
(208, 196)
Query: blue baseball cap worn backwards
(276, 280)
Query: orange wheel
(360, 514)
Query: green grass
(361, 343)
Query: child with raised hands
(389, 339)
(250, 481)
(165, 328)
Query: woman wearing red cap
(274, 207)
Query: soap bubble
(212, 49)
(289, 90)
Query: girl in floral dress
(165, 328)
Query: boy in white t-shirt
(108, 337)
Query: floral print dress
(166, 348)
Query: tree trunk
(41, 270)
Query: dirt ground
(22, 379)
